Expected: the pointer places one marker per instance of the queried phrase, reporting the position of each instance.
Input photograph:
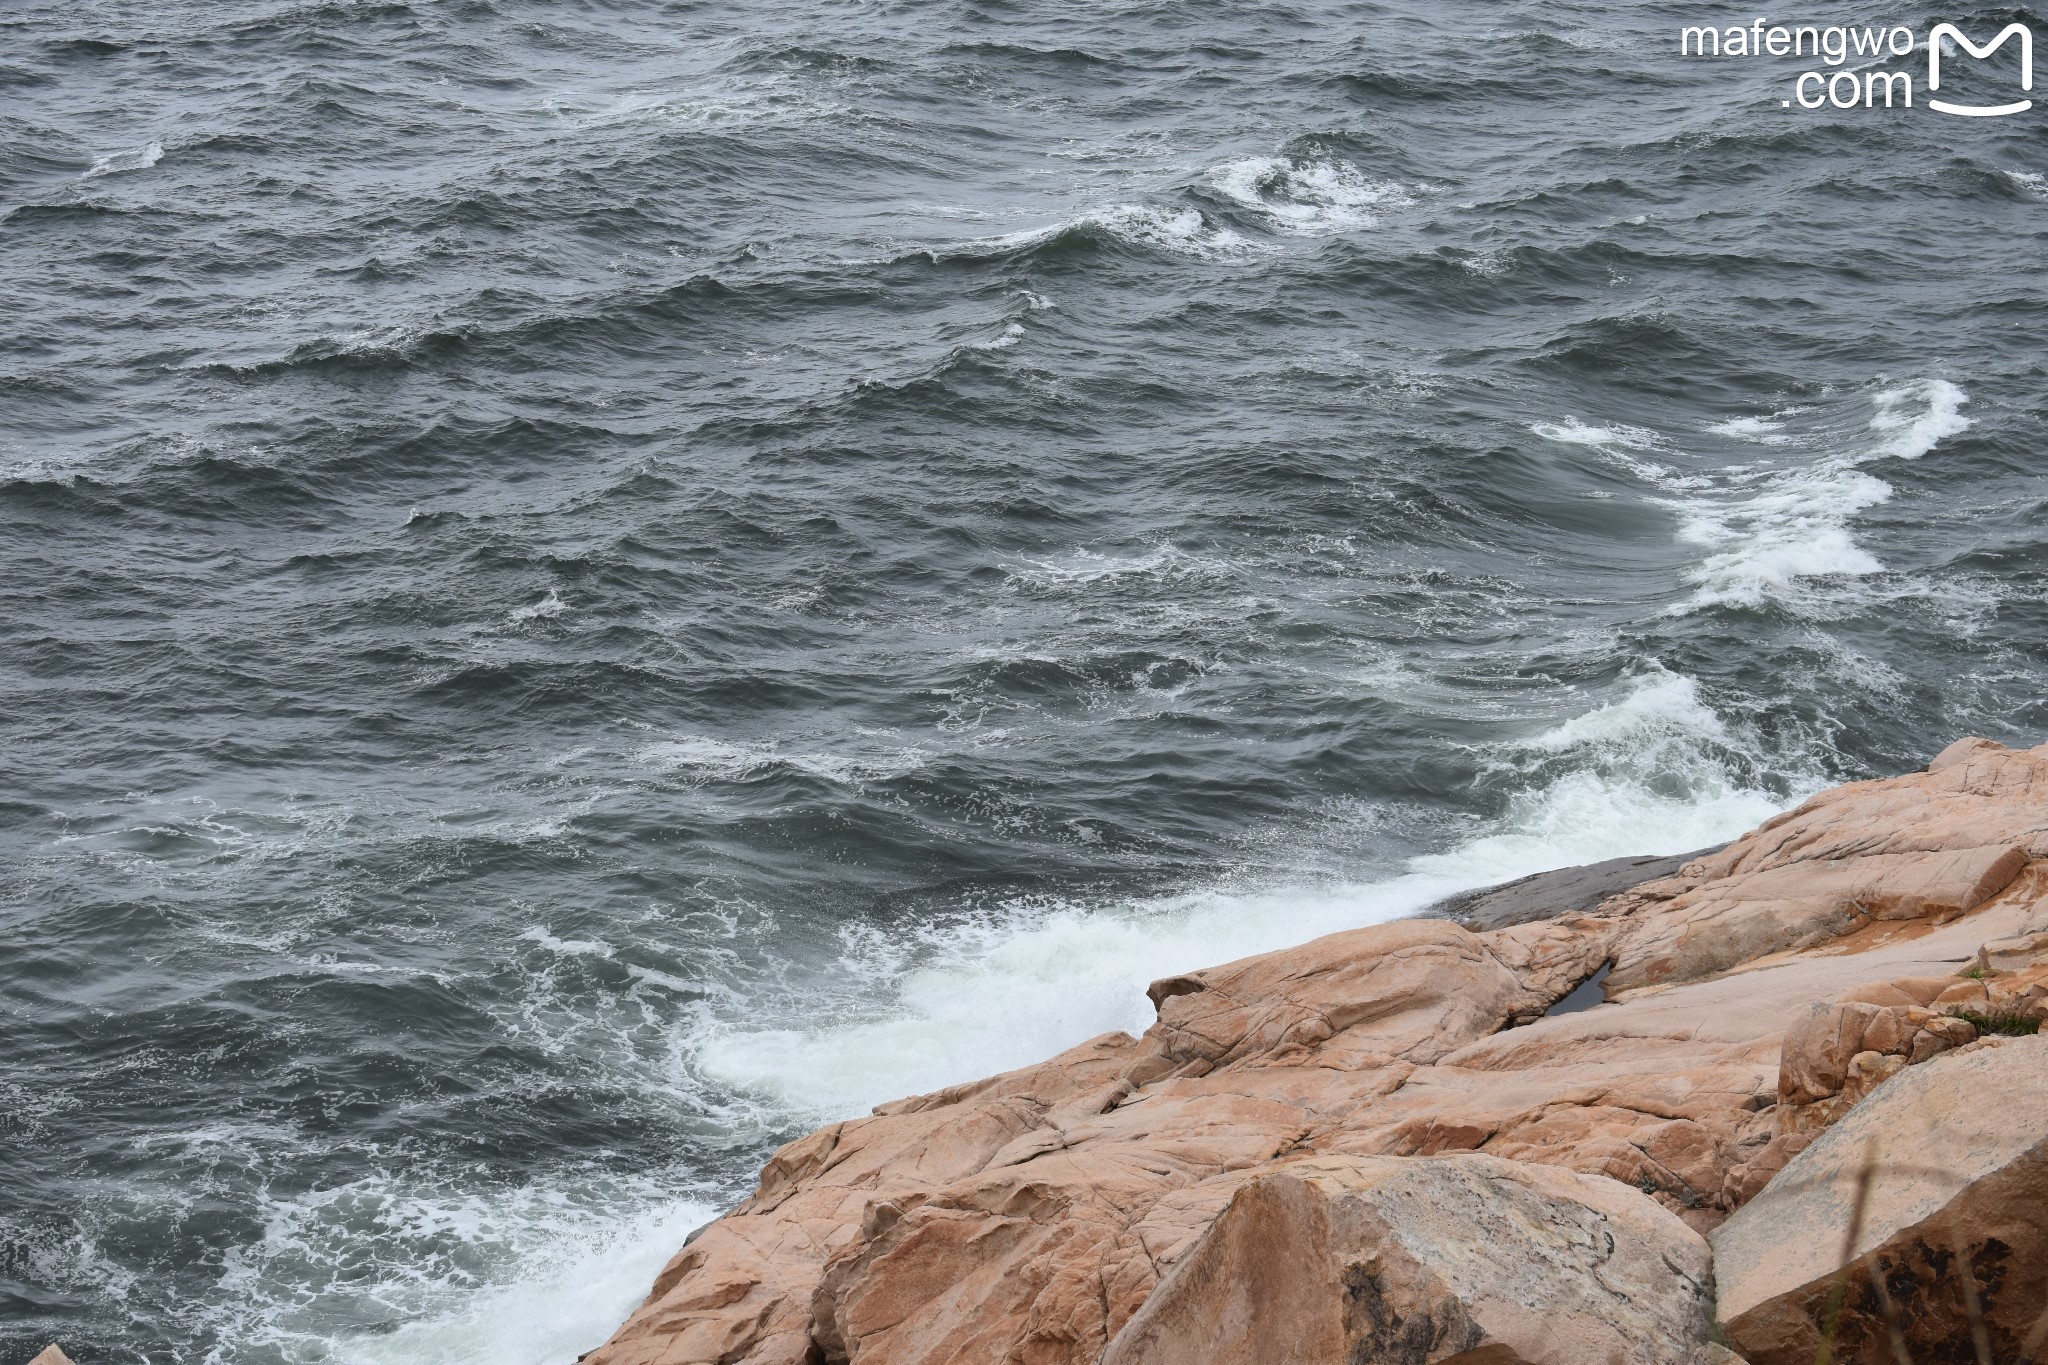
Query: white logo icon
(1941, 31)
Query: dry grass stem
(1966, 1276)
(1865, 1178)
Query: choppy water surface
(589, 586)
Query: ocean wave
(1571, 431)
(1912, 433)
(1081, 568)
(1307, 198)
(1177, 231)
(549, 606)
(1769, 431)
(1772, 533)
(135, 159)
(698, 758)
(531, 1275)
(774, 103)
(1655, 770)
(1622, 445)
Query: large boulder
(1415, 1260)
(1841, 1052)
(1956, 1152)
(1927, 847)
(1410, 990)
(1801, 901)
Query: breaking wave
(1655, 770)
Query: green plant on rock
(2011, 1023)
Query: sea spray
(1651, 771)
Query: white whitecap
(1646, 772)
(1182, 231)
(1619, 444)
(550, 605)
(1911, 432)
(567, 947)
(1307, 198)
(537, 1275)
(1760, 430)
(1770, 536)
(1572, 432)
(699, 757)
(1080, 567)
(135, 159)
(1003, 340)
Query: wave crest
(1306, 198)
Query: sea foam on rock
(1760, 997)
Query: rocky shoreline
(1706, 1110)
(1415, 1142)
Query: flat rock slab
(1546, 895)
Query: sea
(586, 587)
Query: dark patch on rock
(1546, 895)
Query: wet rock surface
(1546, 895)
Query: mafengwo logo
(1862, 87)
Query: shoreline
(1062, 1212)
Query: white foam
(571, 1293)
(526, 1276)
(1779, 534)
(1619, 443)
(412, 1267)
(1181, 231)
(1761, 430)
(1572, 432)
(1914, 433)
(1771, 534)
(137, 159)
(1647, 772)
(570, 947)
(1003, 340)
(1166, 563)
(551, 605)
(704, 758)
(1311, 198)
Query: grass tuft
(2009, 1022)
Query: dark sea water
(587, 587)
